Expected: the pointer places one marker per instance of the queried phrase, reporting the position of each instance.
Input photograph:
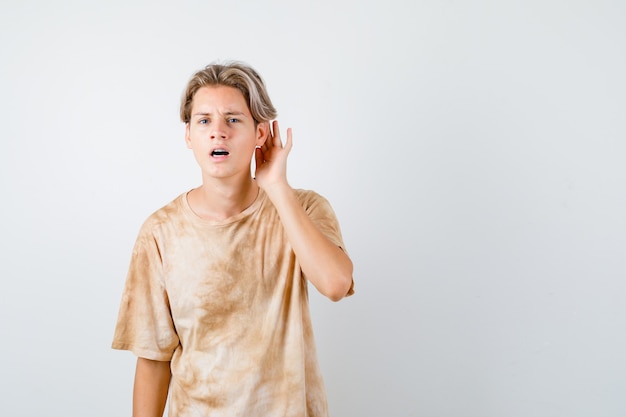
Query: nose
(218, 129)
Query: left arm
(324, 264)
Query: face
(221, 132)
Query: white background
(474, 152)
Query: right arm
(152, 381)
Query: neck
(219, 201)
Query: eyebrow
(228, 113)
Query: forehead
(219, 98)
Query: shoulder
(307, 196)
(313, 201)
(164, 215)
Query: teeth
(219, 152)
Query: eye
(203, 121)
(233, 120)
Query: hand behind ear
(271, 158)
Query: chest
(217, 276)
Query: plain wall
(474, 153)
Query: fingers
(258, 157)
(288, 143)
(276, 134)
(274, 140)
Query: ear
(187, 136)
(262, 133)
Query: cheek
(193, 137)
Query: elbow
(334, 283)
(340, 289)
(336, 297)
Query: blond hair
(231, 74)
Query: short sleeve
(144, 324)
(322, 214)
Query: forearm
(152, 380)
(324, 264)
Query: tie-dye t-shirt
(227, 304)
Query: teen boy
(215, 304)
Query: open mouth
(219, 152)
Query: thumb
(258, 157)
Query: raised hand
(271, 158)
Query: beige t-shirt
(227, 304)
